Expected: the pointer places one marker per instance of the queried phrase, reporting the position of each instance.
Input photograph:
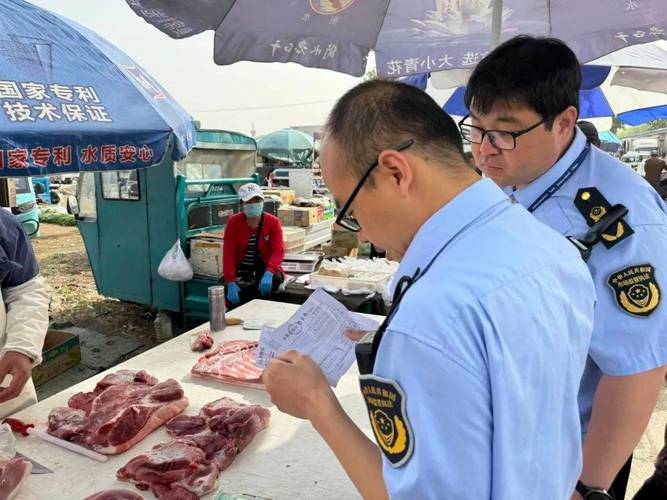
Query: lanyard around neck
(551, 190)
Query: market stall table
(288, 460)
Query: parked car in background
(635, 160)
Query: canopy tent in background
(609, 142)
(609, 136)
(288, 145)
(70, 101)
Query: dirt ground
(74, 298)
(75, 302)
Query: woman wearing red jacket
(253, 250)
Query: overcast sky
(218, 96)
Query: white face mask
(253, 210)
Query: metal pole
(496, 23)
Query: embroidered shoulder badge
(635, 289)
(386, 403)
(593, 206)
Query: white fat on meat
(123, 409)
(232, 362)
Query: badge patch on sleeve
(635, 289)
(386, 403)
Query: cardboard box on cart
(286, 216)
(287, 196)
(206, 254)
(305, 216)
(61, 352)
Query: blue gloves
(266, 284)
(233, 293)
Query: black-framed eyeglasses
(499, 139)
(348, 221)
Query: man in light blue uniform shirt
(473, 392)
(523, 100)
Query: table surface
(287, 460)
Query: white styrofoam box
(206, 256)
(371, 281)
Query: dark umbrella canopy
(408, 36)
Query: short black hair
(590, 131)
(381, 114)
(541, 73)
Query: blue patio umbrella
(630, 84)
(408, 36)
(597, 102)
(70, 101)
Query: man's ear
(566, 120)
(395, 166)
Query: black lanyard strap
(401, 289)
(551, 190)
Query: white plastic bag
(7, 442)
(174, 265)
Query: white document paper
(316, 329)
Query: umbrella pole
(496, 23)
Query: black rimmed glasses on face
(499, 139)
(348, 221)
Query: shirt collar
(448, 222)
(527, 195)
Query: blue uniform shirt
(623, 343)
(487, 350)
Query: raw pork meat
(115, 495)
(222, 429)
(123, 409)
(12, 475)
(205, 445)
(178, 469)
(232, 362)
(201, 342)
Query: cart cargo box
(130, 219)
(206, 256)
(61, 352)
(305, 216)
(286, 195)
(286, 216)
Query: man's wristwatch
(593, 493)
